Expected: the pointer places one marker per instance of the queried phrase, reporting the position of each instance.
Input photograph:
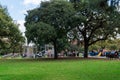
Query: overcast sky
(17, 9)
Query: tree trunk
(86, 50)
(55, 50)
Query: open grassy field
(59, 70)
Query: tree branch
(99, 39)
(94, 29)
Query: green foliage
(113, 47)
(95, 21)
(107, 44)
(88, 21)
(5, 22)
(62, 44)
(55, 16)
(10, 35)
(94, 47)
(40, 31)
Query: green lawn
(60, 70)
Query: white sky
(17, 9)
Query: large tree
(16, 40)
(95, 21)
(4, 23)
(10, 35)
(52, 19)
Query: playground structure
(32, 51)
(106, 53)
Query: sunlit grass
(59, 70)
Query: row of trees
(11, 38)
(57, 21)
(107, 44)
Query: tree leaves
(10, 35)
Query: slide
(99, 53)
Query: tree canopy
(56, 17)
(88, 21)
(10, 35)
(95, 21)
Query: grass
(59, 70)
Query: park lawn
(59, 70)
